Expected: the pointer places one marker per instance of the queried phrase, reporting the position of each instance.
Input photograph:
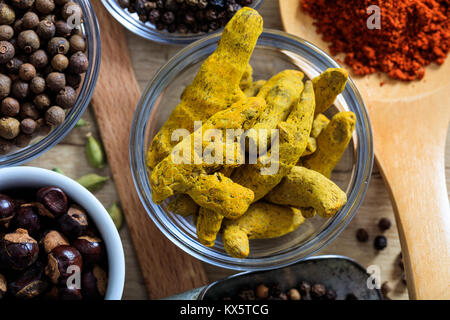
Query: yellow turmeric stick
(253, 90)
(170, 176)
(293, 136)
(261, 221)
(331, 144)
(182, 205)
(327, 86)
(216, 85)
(320, 122)
(305, 188)
(311, 147)
(247, 78)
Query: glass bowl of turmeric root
(251, 149)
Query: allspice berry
(58, 45)
(27, 72)
(56, 81)
(22, 140)
(28, 126)
(60, 62)
(22, 4)
(44, 6)
(6, 32)
(70, 9)
(73, 80)
(77, 43)
(9, 128)
(5, 148)
(7, 14)
(42, 101)
(262, 291)
(10, 107)
(28, 110)
(28, 41)
(46, 29)
(37, 85)
(20, 89)
(79, 63)
(30, 20)
(39, 59)
(13, 65)
(55, 116)
(5, 86)
(293, 294)
(7, 51)
(66, 98)
(63, 29)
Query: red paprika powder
(412, 34)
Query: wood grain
(410, 123)
(166, 269)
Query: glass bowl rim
(31, 152)
(141, 29)
(320, 239)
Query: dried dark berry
(7, 51)
(42, 101)
(78, 63)
(61, 263)
(6, 32)
(22, 4)
(56, 81)
(37, 85)
(45, 6)
(28, 126)
(60, 62)
(54, 199)
(304, 288)
(10, 107)
(211, 15)
(26, 218)
(380, 242)
(154, 16)
(275, 290)
(330, 295)
(66, 98)
(362, 235)
(58, 45)
(74, 223)
(77, 43)
(54, 116)
(20, 89)
(28, 110)
(62, 29)
(168, 17)
(13, 65)
(73, 80)
(27, 72)
(39, 59)
(28, 41)
(262, 291)
(7, 14)
(46, 29)
(384, 224)
(30, 20)
(18, 250)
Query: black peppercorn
(18, 250)
(380, 242)
(124, 3)
(7, 207)
(28, 41)
(74, 223)
(39, 59)
(28, 126)
(30, 20)
(27, 72)
(6, 32)
(56, 81)
(54, 199)
(66, 98)
(20, 89)
(7, 51)
(37, 85)
(62, 29)
(94, 283)
(5, 146)
(362, 235)
(46, 29)
(384, 224)
(78, 63)
(58, 45)
(318, 291)
(7, 14)
(10, 107)
(26, 218)
(61, 261)
(45, 6)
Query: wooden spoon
(409, 122)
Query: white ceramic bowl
(21, 177)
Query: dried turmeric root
(183, 205)
(285, 90)
(253, 90)
(216, 85)
(261, 221)
(319, 123)
(169, 178)
(294, 134)
(304, 188)
(331, 144)
(247, 78)
(327, 86)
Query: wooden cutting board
(166, 269)
(409, 122)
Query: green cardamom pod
(94, 152)
(58, 170)
(116, 215)
(92, 181)
(81, 123)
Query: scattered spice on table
(380, 243)
(412, 34)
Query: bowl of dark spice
(49, 63)
(57, 242)
(175, 21)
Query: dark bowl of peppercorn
(49, 64)
(57, 241)
(175, 21)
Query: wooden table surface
(147, 58)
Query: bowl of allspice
(49, 64)
(251, 149)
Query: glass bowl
(148, 31)
(275, 52)
(41, 144)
